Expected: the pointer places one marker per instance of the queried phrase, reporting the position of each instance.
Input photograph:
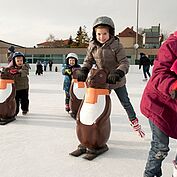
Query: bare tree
(50, 38)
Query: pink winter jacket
(156, 103)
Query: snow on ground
(38, 144)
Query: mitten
(115, 76)
(81, 74)
(13, 71)
(137, 127)
(68, 72)
(173, 92)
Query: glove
(13, 71)
(115, 76)
(81, 74)
(173, 92)
(68, 72)
(137, 127)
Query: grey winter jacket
(109, 56)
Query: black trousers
(22, 98)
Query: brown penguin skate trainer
(93, 116)
(7, 96)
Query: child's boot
(137, 127)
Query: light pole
(136, 39)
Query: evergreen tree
(82, 38)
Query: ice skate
(79, 151)
(137, 127)
(93, 153)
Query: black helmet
(18, 54)
(104, 21)
(11, 49)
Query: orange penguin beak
(80, 84)
(92, 94)
(4, 82)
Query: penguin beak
(4, 82)
(92, 94)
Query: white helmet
(72, 55)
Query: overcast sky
(29, 22)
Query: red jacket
(156, 103)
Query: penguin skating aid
(77, 92)
(93, 122)
(7, 97)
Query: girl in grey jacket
(108, 53)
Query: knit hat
(11, 49)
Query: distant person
(39, 68)
(106, 51)
(21, 72)
(146, 63)
(159, 105)
(50, 65)
(10, 52)
(71, 62)
(45, 63)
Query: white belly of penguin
(5, 93)
(90, 112)
(78, 92)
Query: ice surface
(38, 144)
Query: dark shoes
(24, 112)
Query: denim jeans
(158, 151)
(122, 94)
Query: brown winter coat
(109, 56)
(21, 79)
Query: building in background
(57, 50)
(128, 38)
(152, 37)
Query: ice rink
(38, 144)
